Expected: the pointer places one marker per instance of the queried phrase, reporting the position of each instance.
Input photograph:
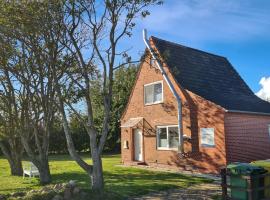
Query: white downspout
(178, 98)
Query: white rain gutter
(247, 112)
(178, 98)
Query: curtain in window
(162, 136)
(173, 137)
(168, 137)
(149, 94)
(153, 93)
(157, 92)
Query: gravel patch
(197, 192)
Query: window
(153, 93)
(163, 140)
(207, 137)
(167, 137)
(269, 129)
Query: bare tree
(94, 30)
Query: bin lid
(245, 169)
(262, 163)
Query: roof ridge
(180, 45)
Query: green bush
(124, 79)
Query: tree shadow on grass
(126, 183)
(81, 178)
(130, 184)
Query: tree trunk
(14, 159)
(15, 164)
(40, 161)
(97, 174)
(44, 173)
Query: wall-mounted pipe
(178, 98)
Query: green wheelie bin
(266, 165)
(239, 184)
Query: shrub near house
(223, 121)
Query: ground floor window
(269, 129)
(167, 137)
(207, 137)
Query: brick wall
(247, 137)
(126, 153)
(197, 113)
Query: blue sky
(236, 29)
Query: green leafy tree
(79, 134)
(124, 79)
(29, 75)
(10, 142)
(57, 138)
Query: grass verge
(120, 182)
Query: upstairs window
(207, 137)
(167, 137)
(153, 93)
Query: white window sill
(207, 146)
(167, 149)
(149, 104)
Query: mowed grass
(123, 182)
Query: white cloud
(264, 92)
(198, 23)
(210, 20)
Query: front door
(138, 153)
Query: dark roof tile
(210, 76)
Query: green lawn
(121, 181)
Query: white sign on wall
(208, 137)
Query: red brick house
(222, 120)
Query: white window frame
(157, 102)
(168, 143)
(206, 145)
